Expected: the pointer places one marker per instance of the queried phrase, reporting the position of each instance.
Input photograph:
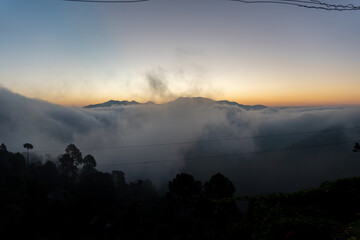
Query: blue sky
(80, 53)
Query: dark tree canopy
(28, 146)
(184, 186)
(3, 148)
(74, 153)
(89, 161)
(39, 202)
(66, 161)
(118, 178)
(218, 187)
(67, 166)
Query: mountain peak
(199, 100)
(180, 100)
(111, 103)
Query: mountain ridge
(184, 100)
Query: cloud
(158, 85)
(185, 80)
(99, 131)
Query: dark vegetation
(70, 199)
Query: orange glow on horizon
(316, 96)
(277, 101)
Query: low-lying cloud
(113, 135)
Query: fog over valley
(261, 149)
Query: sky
(77, 54)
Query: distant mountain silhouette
(180, 100)
(112, 103)
(246, 107)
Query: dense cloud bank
(50, 128)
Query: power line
(109, 1)
(230, 155)
(206, 140)
(313, 4)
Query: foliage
(184, 187)
(3, 148)
(71, 199)
(89, 161)
(219, 187)
(74, 153)
(28, 146)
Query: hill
(182, 100)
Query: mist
(137, 139)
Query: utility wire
(206, 140)
(109, 1)
(230, 155)
(313, 4)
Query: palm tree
(28, 146)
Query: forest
(70, 199)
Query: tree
(89, 161)
(3, 148)
(74, 153)
(218, 187)
(184, 194)
(118, 178)
(184, 187)
(67, 166)
(49, 173)
(28, 146)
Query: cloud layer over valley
(194, 135)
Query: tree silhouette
(184, 194)
(118, 178)
(3, 148)
(67, 167)
(218, 187)
(184, 189)
(89, 161)
(220, 190)
(28, 146)
(74, 153)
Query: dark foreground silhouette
(70, 199)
